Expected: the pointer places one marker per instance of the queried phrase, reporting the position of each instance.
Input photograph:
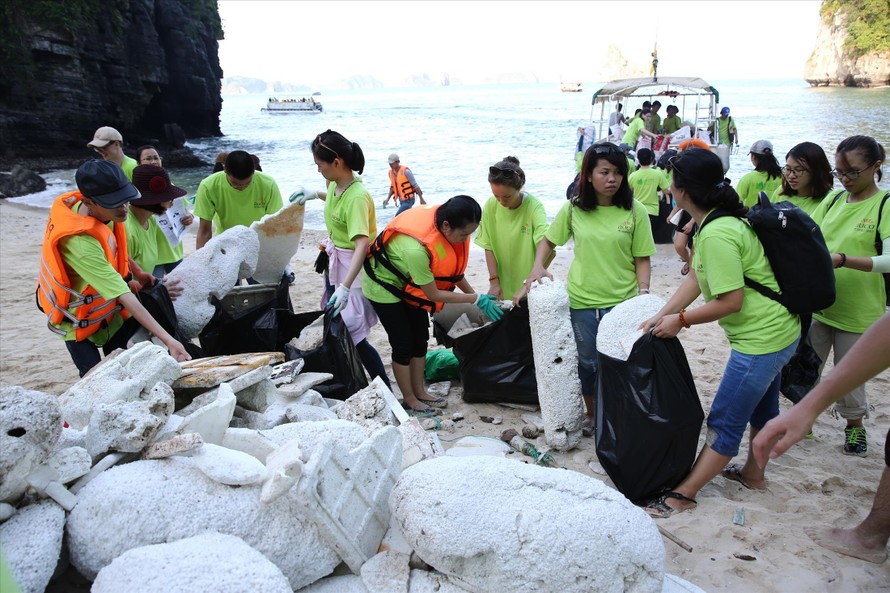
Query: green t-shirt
(751, 184)
(727, 251)
(218, 201)
(724, 128)
(350, 214)
(850, 229)
(410, 257)
(607, 239)
(805, 203)
(631, 166)
(512, 236)
(142, 244)
(654, 123)
(128, 165)
(633, 132)
(645, 184)
(86, 265)
(671, 124)
(167, 254)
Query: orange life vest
(447, 261)
(54, 292)
(400, 185)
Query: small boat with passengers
(302, 105)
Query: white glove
(339, 299)
(302, 195)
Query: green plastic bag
(441, 365)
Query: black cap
(105, 183)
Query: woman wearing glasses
(513, 223)
(762, 333)
(849, 223)
(806, 177)
(350, 220)
(169, 256)
(613, 243)
(766, 176)
(413, 266)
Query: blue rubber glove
(339, 299)
(486, 304)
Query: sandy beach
(813, 484)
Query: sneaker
(855, 442)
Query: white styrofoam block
(279, 238)
(619, 328)
(367, 407)
(206, 562)
(556, 364)
(284, 466)
(30, 426)
(31, 541)
(347, 492)
(213, 270)
(228, 466)
(129, 425)
(674, 584)
(212, 420)
(495, 524)
(386, 572)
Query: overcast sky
(318, 43)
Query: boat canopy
(671, 86)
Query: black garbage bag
(247, 321)
(496, 361)
(648, 417)
(157, 302)
(662, 230)
(336, 354)
(801, 373)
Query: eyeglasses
(318, 142)
(496, 171)
(794, 171)
(851, 175)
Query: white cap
(394, 158)
(103, 136)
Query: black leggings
(408, 330)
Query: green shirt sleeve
(85, 257)
(560, 232)
(483, 233)
(205, 208)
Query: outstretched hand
(486, 304)
(535, 276)
(780, 434)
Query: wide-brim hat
(105, 183)
(153, 182)
(103, 136)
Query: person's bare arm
(205, 231)
(131, 303)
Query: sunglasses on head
(318, 142)
(495, 171)
(606, 149)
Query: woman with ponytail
(766, 176)
(762, 333)
(350, 219)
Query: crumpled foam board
(556, 364)
(346, 493)
(30, 426)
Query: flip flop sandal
(733, 472)
(439, 402)
(685, 269)
(659, 509)
(421, 410)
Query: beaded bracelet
(683, 321)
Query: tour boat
(570, 87)
(302, 105)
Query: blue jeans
(585, 323)
(748, 393)
(406, 205)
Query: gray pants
(823, 338)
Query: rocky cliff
(149, 68)
(836, 62)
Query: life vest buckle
(88, 299)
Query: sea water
(449, 136)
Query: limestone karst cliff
(851, 47)
(150, 68)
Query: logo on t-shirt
(866, 225)
(626, 226)
(526, 229)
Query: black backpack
(879, 244)
(797, 253)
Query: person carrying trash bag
(763, 334)
(412, 269)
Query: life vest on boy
(447, 261)
(54, 292)
(401, 187)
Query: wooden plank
(204, 373)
